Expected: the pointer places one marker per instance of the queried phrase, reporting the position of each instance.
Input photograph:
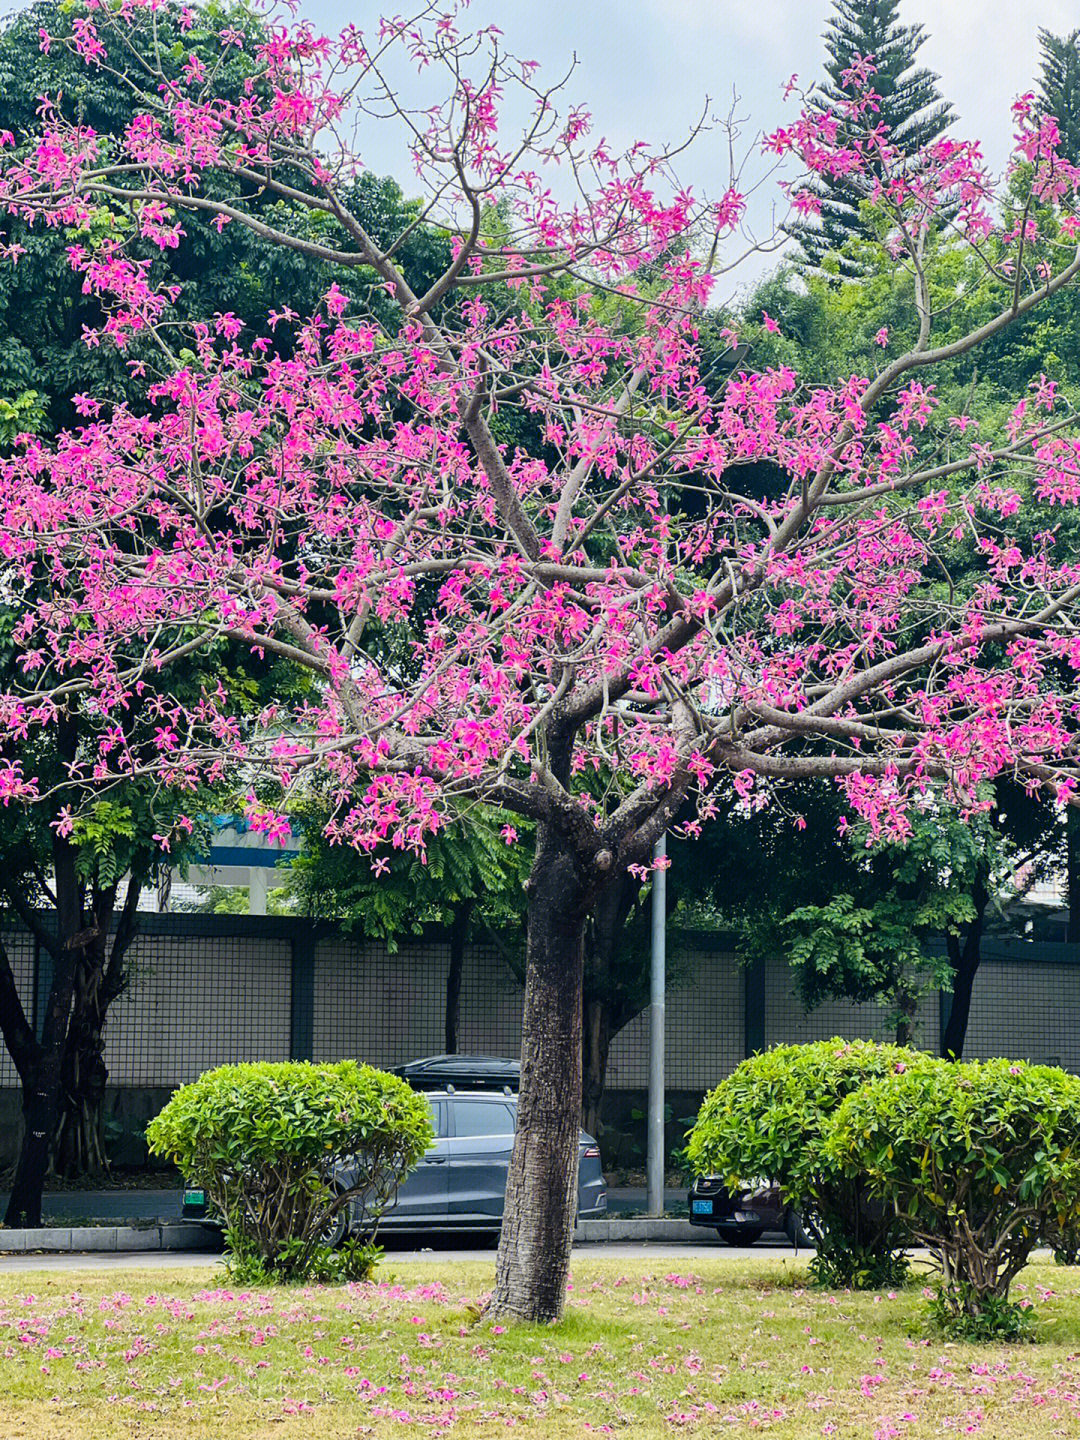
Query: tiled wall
(704, 1034)
(786, 1021)
(1026, 1011)
(192, 1005)
(202, 999)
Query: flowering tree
(505, 535)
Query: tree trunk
(79, 1149)
(41, 1101)
(907, 1005)
(596, 1044)
(41, 1094)
(615, 987)
(541, 1190)
(41, 1081)
(1072, 869)
(965, 962)
(100, 978)
(27, 1055)
(459, 932)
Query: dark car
(742, 1216)
(460, 1184)
(467, 1072)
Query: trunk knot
(604, 859)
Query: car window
(482, 1117)
(438, 1117)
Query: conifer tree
(1059, 85)
(909, 103)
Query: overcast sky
(645, 66)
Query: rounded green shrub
(283, 1149)
(771, 1117)
(980, 1162)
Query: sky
(645, 67)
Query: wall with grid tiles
(786, 1020)
(191, 1005)
(208, 990)
(704, 1031)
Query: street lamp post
(657, 1003)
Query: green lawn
(717, 1348)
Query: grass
(717, 1348)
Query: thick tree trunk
(541, 1191)
(459, 932)
(965, 960)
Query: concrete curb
(82, 1238)
(77, 1239)
(641, 1228)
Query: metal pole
(257, 877)
(657, 998)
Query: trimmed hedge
(981, 1162)
(283, 1150)
(771, 1118)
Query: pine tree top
(909, 104)
(1059, 85)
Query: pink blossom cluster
(342, 496)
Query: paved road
(118, 1207)
(441, 1253)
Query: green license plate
(194, 1197)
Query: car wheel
(337, 1227)
(747, 1236)
(797, 1232)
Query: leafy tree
(908, 103)
(563, 611)
(46, 311)
(877, 937)
(470, 880)
(1059, 84)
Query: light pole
(657, 1003)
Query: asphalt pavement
(161, 1207)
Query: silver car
(461, 1181)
